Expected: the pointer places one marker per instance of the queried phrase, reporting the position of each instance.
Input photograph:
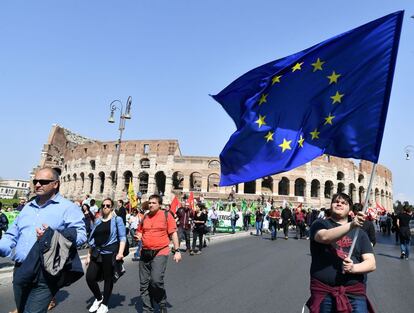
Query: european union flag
(331, 98)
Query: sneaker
(95, 305)
(163, 309)
(198, 252)
(191, 253)
(402, 256)
(286, 237)
(102, 309)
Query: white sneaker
(102, 309)
(95, 305)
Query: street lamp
(407, 150)
(124, 115)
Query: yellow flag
(133, 202)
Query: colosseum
(157, 166)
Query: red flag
(191, 200)
(174, 205)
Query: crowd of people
(108, 232)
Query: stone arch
(341, 188)
(250, 187)
(160, 182)
(315, 188)
(178, 180)
(82, 177)
(283, 188)
(352, 192)
(328, 190)
(361, 178)
(214, 164)
(376, 197)
(361, 194)
(195, 181)
(127, 178)
(267, 185)
(340, 175)
(91, 177)
(113, 179)
(102, 182)
(300, 186)
(213, 181)
(382, 197)
(143, 182)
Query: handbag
(118, 270)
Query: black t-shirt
(404, 219)
(200, 217)
(259, 216)
(102, 233)
(327, 258)
(122, 214)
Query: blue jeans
(259, 226)
(405, 247)
(273, 229)
(233, 225)
(359, 305)
(32, 298)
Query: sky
(64, 62)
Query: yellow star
(285, 145)
(300, 141)
(318, 65)
(276, 79)
(269, 136)
(328, 119)
(263, 99)
(261, 120)
(337, 97)
(297, 67)
(315, 134)
(333, 78)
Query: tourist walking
(155, 231)
(184, 224)
(286, 219)
(47, 215)
(199, 224)
(107, 244)
(403, 223)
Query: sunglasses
(106, 206)
(43, 182)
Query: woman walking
(199, 220)
(107, 244)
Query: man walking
(184, 225)
(48, 210)
(286, 218)
(155, 231)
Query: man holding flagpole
(331, 99)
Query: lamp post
(124, 115)
(407, 151)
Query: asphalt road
(244, 274)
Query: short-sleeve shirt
(156, 230)
(327, 259)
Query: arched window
(143, 182)
(328, 189)
(341, 187)
(160, 183)
(315, 188)
(284, 187)
(267, 185)
(178, 180)
(213, 183)
(340, 175)
(145, 163)
(127, 179)
(360, 178)
(195, 181)
(91, 177)
(352, 192)
(102, 181)
(250, 187)
(300, 184)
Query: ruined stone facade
(157, 166)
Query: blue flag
(329, 99)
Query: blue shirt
(118, 233)
(58, 213)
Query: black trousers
(198, 233)
(184, 234)
(95, 271)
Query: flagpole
(351, 250)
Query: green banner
(11, 216)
